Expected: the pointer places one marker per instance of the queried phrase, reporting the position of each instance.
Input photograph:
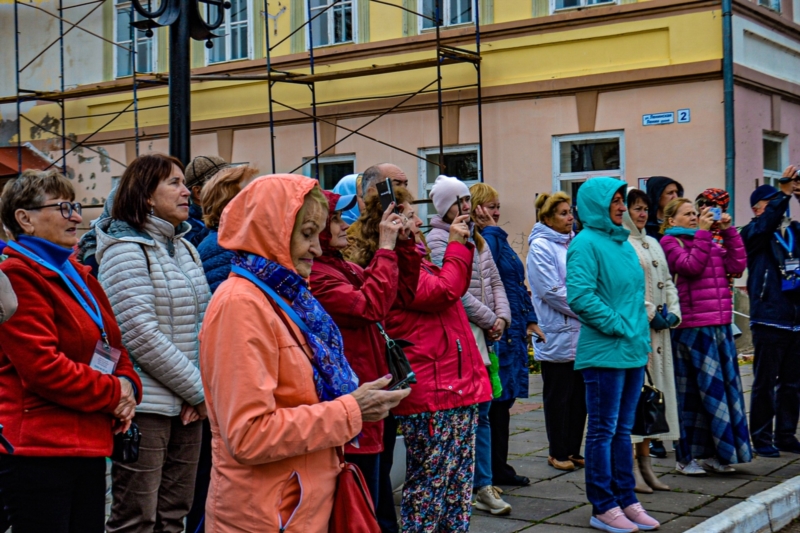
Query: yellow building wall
(612, 47)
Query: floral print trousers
(440, 464)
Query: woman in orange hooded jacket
(280, 394)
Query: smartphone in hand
(403, 384)
(386, 194)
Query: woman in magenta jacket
(439, 418)
(711, 406)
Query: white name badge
(105, 360)
(790, 265)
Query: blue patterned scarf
(333, 376)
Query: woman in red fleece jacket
(61, 401)
(358, 299)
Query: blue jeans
(611, 398)
(483, 447)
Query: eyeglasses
(66, 208)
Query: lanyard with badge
(105, 357)
(791, 264)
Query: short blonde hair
(671, 210)
(546, 205)
(220, 190)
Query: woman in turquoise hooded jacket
(605, 289)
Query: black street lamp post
(185, 22)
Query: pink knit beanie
(446, 190)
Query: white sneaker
(692, 469)
(714, 465)
(487, 499)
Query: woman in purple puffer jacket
(714, 431)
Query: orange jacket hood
(260, 219)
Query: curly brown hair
(363, 234)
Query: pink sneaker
(613, 521)
(636, 514)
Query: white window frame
(225, 28)
(323, 159)
(445, 17)
(329, 12)
(424, 187)
(584, 4)
(771, 177)
(126, 5)
(560, 179)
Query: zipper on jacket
(458, 343)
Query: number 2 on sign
(684, 115)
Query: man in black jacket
(661, 191)
(772, 242)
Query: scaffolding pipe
(61, 104)
(269, 89)
(19, 107)
(134, 51)
(437, 15)
(312, 88)
(480, 103)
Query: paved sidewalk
(556, 501)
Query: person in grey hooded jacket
(564, 393)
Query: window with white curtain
(776, 158)
(451, 12)
(333, 21)
(235, 41)
(124, 34)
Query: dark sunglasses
(66, 208)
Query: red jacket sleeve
(408, 264)
(735, 254)
(30, 342)
(352, 307)
(438, 290)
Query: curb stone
(770, 510)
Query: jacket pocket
(291, 498)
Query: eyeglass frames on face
(66, 208)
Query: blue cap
(346, 201)
(764, 192)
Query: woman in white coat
(664, 313)
(564, 393)
(158, 290)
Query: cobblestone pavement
(555, 502)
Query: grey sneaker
(713, 464)
(487, 499)
(692, 469)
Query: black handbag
(651, 416)
(126, 445)
(396, 358)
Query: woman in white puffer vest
(158, 290)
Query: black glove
(659, 322)
(672, 320)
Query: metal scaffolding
(444, 55)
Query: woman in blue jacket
(513, 345)
(605, 289)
